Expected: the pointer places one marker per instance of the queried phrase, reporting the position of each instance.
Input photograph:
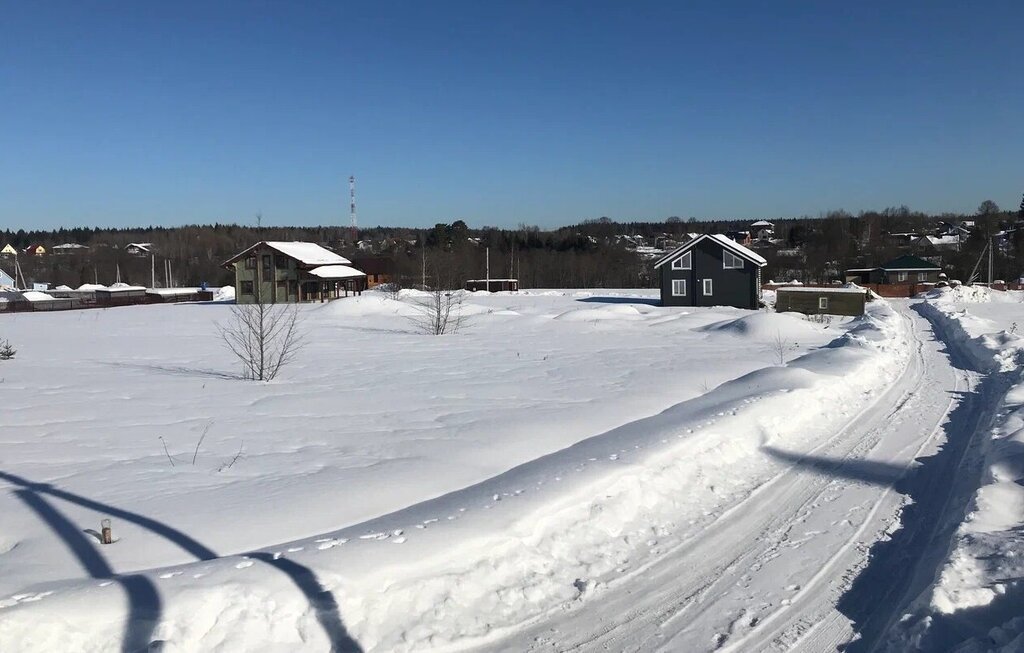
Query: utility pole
(152, 270)
(423, 285)
(991, 260)
(487, 268)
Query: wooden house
(276, 272)
(35, 250)
(711, 270)
(820, 301)
(8, 250)
(378, 269)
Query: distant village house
(276, 272)
(905, 269)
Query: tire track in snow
(637, 612)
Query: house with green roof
(905, 269)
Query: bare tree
(264, 337)
(440, 310)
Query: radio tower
(352, 208)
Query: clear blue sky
(137, 113)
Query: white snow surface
(407, 491)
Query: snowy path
(775, 571)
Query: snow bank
(765, 325)
(984, 566)
(613, 312)
(466, 566)
(224, 294)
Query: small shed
(821, 301)
(493, 285)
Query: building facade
(711, 270)
(277, 272)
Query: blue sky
(137, 113)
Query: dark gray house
(905, 269)
(710, 270)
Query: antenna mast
(353, 228)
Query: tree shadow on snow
(865, 471)
(650, 301)
(144, 603)
(321, 600)
(178, 370)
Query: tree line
(592, 253)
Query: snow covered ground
(572, 470)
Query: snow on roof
(721, 239)
(336, 272)
(36, 296)
(305, 253)
(70, 246)
(92, 286)
(762, 223)
(308, 253)
(171, 292)
(842, 289)
(122, 288)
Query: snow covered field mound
(402, 491)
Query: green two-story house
(278, 272)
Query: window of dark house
(281, 262)
(250, 262)
(247, 287)
(268, 263)
(282, 289)
(293, 288)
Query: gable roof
(910, 262)
(305, 253)
(720, 239)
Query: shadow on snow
(145, 606)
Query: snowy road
(777, 570)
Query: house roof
(762, 223)
(336, 272)
(910, 262)
(305, 253)
(720, 239)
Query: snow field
(548, 512)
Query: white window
(679, 287)
(901, 276)
(823, 303)
(922, 276)
(731, 262)
(684, 262)
(707, 287)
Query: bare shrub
(390, 290)
(779, 347)
(439, 312)
(263, 337)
